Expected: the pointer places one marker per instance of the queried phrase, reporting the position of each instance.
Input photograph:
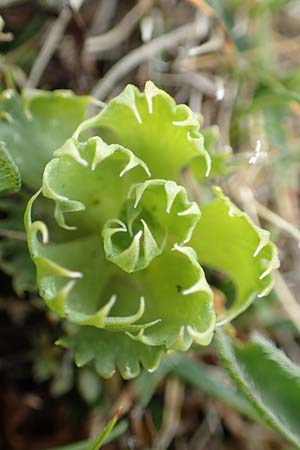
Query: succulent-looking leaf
(138, 300)
(164, 135)
(220, 158)
(268, 379)
(98, 200)
(10, 178)
(118, 265)
(110, 351)
(226, 239)
(32, 126)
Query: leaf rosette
(125, 262)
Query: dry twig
(287, 300)
(174, 395)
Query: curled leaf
(164, 135)
(226, 239)
(32, 125)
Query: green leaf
(206, 380)
(176, 275)
(89, 385)
(110, 351)
(117, 431)
(34, 124)
(31, 129)
(98, 200)
(145, 385)
(226, 239)
(157, 214)
(164, 135)
(268, 379)
(15, 260)
(10, 178)
(97, 444)
(199, 375)
(220, 158)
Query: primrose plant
(121, 251)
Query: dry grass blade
(114, 37)
(4, 37)
(287, 300)
(199, 81)
(11, 234)
(229, 46)
(285, 296)
(50, 44)
(8, 3)
(174, 395)
(144, 52)
(277, 220)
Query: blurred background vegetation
(240, 70)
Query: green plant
(109, 433)
(30, 130)
(268, 380)
(127, 245)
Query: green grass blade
(97, 443)
(112, 434)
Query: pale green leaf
(34, 124)
(97, 199)
(226, 239)
(220, 157)
(16, 262)
(164, 135)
